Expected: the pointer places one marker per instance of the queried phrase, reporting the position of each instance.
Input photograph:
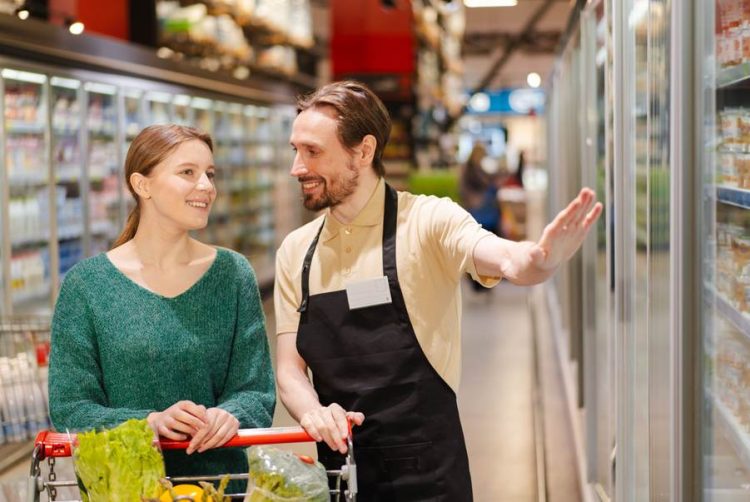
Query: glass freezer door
(102, 168)
(67, 168)
(28, 190)
(725, 253)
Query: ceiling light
(490, 3)
(23, 14)
(76, 28)
(534, 80)
(480, 102)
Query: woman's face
(181, 187)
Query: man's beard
(340, 188)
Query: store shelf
(29, 240)
(733, 196)
(733, 431)
(16, 181)
(24, 297)
(738, 319)
(66, 131)
(17, 127)
(732, 76)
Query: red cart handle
(60, 444)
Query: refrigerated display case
(26, 134)
(725, 253)
(66, 132)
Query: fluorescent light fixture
(97, 88)
(76, 28)
(182, 100)
(65, 82)
(490, 3)
(201, 103)
(533, 79)
(23, 76)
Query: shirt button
(348, 249)
(347, 270)
(348, 231)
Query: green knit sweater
(120, 351)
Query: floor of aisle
(495, 397)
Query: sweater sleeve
(77, 399)
(249, 392)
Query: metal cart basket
(52, 445)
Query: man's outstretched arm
(527, 263)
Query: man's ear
(140, 184)
(367, 149)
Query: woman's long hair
(152, 145)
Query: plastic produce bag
(280, 476)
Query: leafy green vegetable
(279, 475)
(120, 464)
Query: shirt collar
(370, 215)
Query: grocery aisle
(495, 398)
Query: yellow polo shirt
(435, 240)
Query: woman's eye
(211, 175)
(189, 172)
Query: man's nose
(298, 167)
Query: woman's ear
(140, 185)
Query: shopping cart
(52, 445)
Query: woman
(162, 326)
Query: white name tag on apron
(368, 293)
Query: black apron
(411, 446)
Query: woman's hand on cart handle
(221, 426)
(331, 424)
(178, 422)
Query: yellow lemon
(196, 492)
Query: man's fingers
(593, 215)
(584, 211)
(356, 417)
(341, 422)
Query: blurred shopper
(163, 326)
(368, 298)
(478, 191)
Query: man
(367, 297)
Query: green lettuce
(120, 464)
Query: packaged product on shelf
(729, 128)
(727, 169)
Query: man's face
(325, 169)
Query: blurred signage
(523, 101)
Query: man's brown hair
(359, 112)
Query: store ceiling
(489, 31)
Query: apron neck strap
(390, 218)
(306, 270)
